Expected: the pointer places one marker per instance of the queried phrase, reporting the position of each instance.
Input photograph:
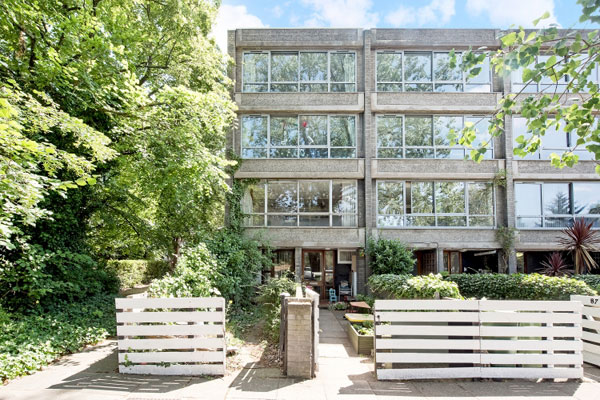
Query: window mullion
(268, 136)
(467, 202)
(330, 203)
(265, 216)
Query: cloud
(232, 17)
(340, 14)
(437, 11)
(277, 11)
(504, 13)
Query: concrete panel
(542, 170)
(352, 168)
(310, 237)
(431, 103)
(435, 38)
(538, 239)
(473, 239)
(301, 38)
(434, 169)
(300, 102)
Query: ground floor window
(283, 263)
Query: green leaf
(509, 39)
(544, 16)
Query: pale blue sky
(394, 14)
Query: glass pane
(313, 130)
(554, 138)
(313, 153)
(345, 220)
(254, 153)
(389, 153)
(254, 220)
(442, 70)
(314, 220)
(481, 221)
(418, 87)
(256, 67)
(313, 67)
(254, 131)
(478, 88)
(420, 153)
(253, 88)
(389, 87)
(556, 198)
(284, 131)
(419, 131)
(519, 126)
(481, 125)
(283, 262)
(284, 87)
(389, 68)
(451, 221)
(254, 199)
(420, 221)
(484, 74)
(342, 67)
(314, 196)
(390, 198)
(343, 153)
(450, 153)
(554, 222)
(329, 261)
(448, 87)
(586, 198)
(390, 221)
(284, 153)
(312, 265)
(450, 197)
(417, 67)
(281, 197)
(284, 67)
(529, 222)
(421, 198)
(389, 131)
(343, 131)
(481, 198)
(343, 87)
(281, 220)
(528, 199)
(344, 197)
(443, 125)
(313, 87)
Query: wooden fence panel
(421, 339)
(591, 328)
(171, 336)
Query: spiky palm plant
(555, 265)
(580, 239)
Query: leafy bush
(269, 298)
(137, 272)
(194, 276)
(364, 328)
(412, 287)
(390, 257)
(29, 342)
(40, 278)
(592, 281)
(519, 286)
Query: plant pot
(362, 344)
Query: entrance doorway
(318, 268)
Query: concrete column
(439, 252)
(299, 338)
(298, 263)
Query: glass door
(312, 270)
(328, 279)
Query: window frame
(434, 146)
(298, 82)
(297, 213)
(464, 81)
(543, 216)
(298, 147)
(403, 217)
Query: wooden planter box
(362, 344)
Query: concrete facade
(366, 104)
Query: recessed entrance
(318, 268)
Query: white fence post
(590, 326)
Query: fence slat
(392, 305)
(532, 373)
(165, 344)
(427, 373)
(419, 358)
(170, 316)
(197, 369)
(529, 305)
(524, 358)
(428, 330)
(531, 317)
(171, 357)
(159, 330)
(419, 316)
(531, 345)
(522, 331)
(179, 302)
(433, 344)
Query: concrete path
(91, 375)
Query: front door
(318, 270)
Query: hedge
(519, 286)
(390, 286)
(137, 272)
(592, 281)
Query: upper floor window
(546, 84)
(427, 71)
(298, 136)
(556, 204)
(299, 71)
(426, 136)
(290, 203)
(441, 204)
(553, 141)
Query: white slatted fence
(171, 336)
(591, 328)
(423, 339)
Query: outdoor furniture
(344, 290)
(332, 296)
(359, 304)
(358, 318)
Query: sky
(393, 14)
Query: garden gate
(591, 328)
(171, 336)
(420, 339)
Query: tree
(390, 257)
(570, 97)
(580, 239)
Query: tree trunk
(177, 244)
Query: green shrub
(364, 328)
(592, 281)
(389, 286)
(270, 301)
(137, 272)
(519, 286)
(390, 257)
(29, 342)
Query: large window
(299, 71)
(311, 203)
(298, 136)
(556, 204)
(553, 141)
(545, 85)
(441, 204)
(426, 136)
(427, 71)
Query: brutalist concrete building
(344, 133)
